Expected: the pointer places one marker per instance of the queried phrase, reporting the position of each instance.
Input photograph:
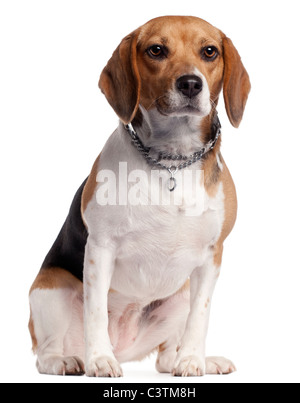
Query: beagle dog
(134, 266)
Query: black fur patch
(68, 250)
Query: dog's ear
(120, 80)
(236, 83)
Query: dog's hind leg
(166, 356)
(56, 323)
(176, 311)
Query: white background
(54, 122)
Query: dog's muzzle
(189, 85)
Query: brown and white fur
(149, 270)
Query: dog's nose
(189, 85)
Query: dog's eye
(157, 51)
(209, 53)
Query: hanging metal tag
(172, 184)
(172, 181)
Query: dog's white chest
(161, 246)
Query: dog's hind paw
(219, 366)
(189, 366)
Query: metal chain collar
(172, 169)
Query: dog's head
(177, 66)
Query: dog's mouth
(188, 108)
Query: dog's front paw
(106, 367)
(189, 366)
(59, 365)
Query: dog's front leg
(98, 270)
(190, 360)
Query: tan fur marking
(55, 278)
(230, 207)
(162, 347)
(90, 186)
